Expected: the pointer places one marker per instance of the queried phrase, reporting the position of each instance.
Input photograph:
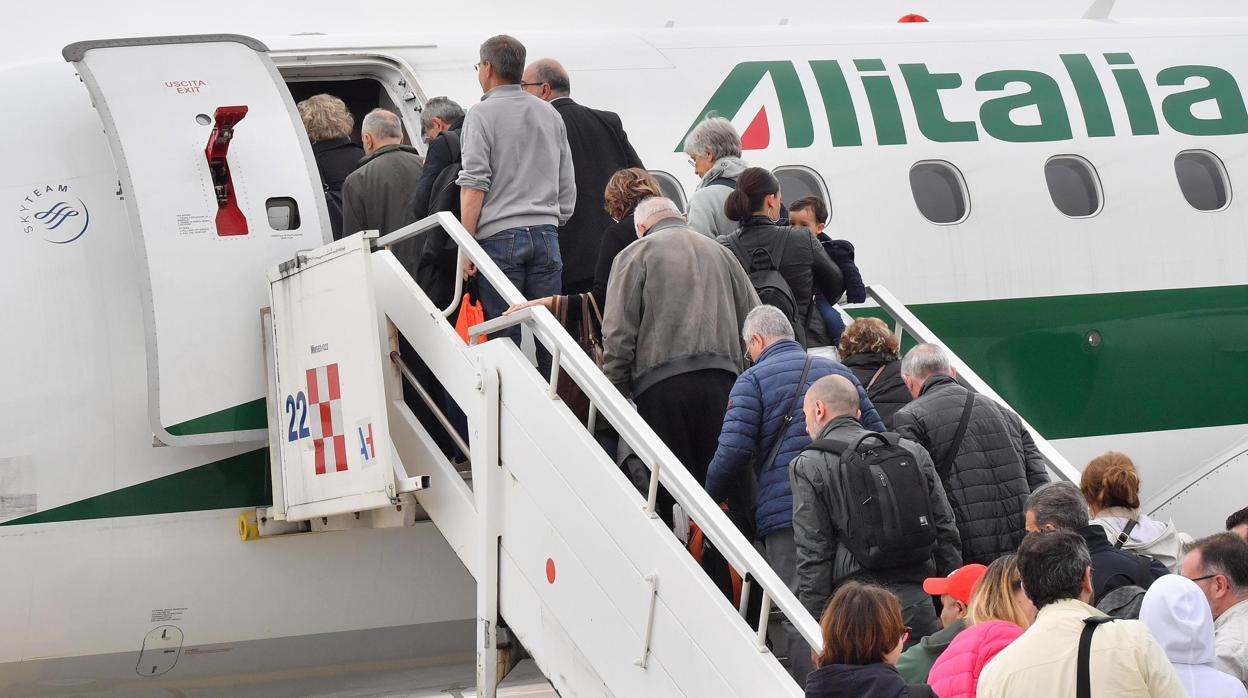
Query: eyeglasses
(1201, 579)
(532, 84)
(478, 65)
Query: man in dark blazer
(600, 148)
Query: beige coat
(1041, 663)
(1230, 632)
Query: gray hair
(1052, 565)
(440, 108)
(506, 55)
(768, 322)
(652, 210)
(925, 360)
(715, 134)
(383, 124)
(552, 73)
(1059, 504)
(836, 393)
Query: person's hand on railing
(548, 303)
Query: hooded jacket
(957, 669)
(1177, 614)
(877, 680)
(915, 663)
(706, 205)
(755, 413)
(889, 392)
(1160, 541)
(676, 303)
(996, 467)
(822, 560)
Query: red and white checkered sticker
(329, 438)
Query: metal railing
(908, 322)
(606, 401)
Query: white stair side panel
(592, 506)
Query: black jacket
(803, 264)
(889, 392)
(376, 195)
(616, 237)
(600, 148)
(437, 157)
(995, 469)
(1113, 568)
(336, 158)
(877, 680)
(823, 562)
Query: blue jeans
(530, 259)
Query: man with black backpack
(867, 506)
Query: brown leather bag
(590, 340)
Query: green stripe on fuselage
(249, 415)
(237, 482)
(1172, 359)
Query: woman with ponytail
(1111, 486)
(762, 245)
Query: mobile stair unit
(565, 550)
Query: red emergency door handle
(230, 219)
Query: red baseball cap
(958, 584)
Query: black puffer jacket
(804, 265)
(995, 469)
(889, 392)
(877, 680)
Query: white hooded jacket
(1155, 539)
(1179, 618)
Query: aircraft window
(939, 191)
(1203, 179)
(1073, 185)
(283, 213)
(671, 187)
(797, 182)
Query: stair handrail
(911, 323)
(607, 401)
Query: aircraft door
(220, 184)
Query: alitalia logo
(1018, 106)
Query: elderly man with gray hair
(764, 429)
(714, 149)
(986, 459)
(376, 195)
(676, 303)
(440, 122)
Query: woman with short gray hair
(714, 150)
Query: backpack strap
(733, 241)
(723, 182)
(453, 142)
(788, 417)
(1083, 674)
(946, 461)
(1125, 534)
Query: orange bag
(469, 314)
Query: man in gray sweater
(517, 185)
(671, 332)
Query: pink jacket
(956, 671)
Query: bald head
(826, 399)
(547, 79)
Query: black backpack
(885, 518)
(765, 276)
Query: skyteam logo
(55, 213)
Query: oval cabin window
(939, 192)
(1073, 185)
(671, 187)
(1203, 180)
(799, 182)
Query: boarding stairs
(566, 552)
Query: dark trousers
(781, 552)
(686, 412)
